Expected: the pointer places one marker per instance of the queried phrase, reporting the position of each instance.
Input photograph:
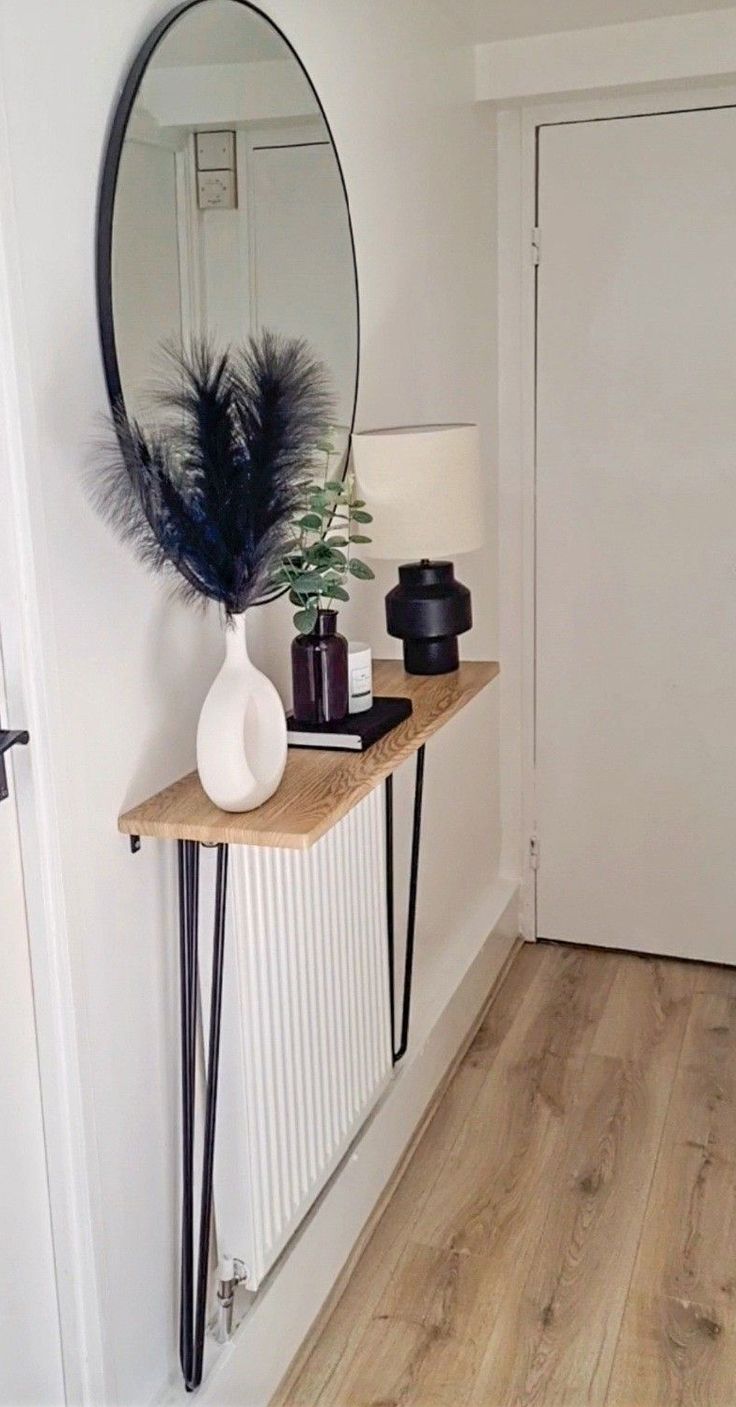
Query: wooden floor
(565, 1234)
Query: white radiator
(306, 1048)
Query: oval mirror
(223, 209)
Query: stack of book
(356, 732)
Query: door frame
(517, 137)
(28, 658)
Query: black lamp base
(428, 610)
(431, 656)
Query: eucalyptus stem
(320, 558)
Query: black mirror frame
(108, 186)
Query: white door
(30, 1351)
(636, 534)
(302, 278)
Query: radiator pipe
(231, 1273)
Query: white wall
(126, 668)
(505, 19)
(145, 263)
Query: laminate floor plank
(321, 1378)
(434, 1299)
(506, 1010)
(545, 981)
(719, 981)
(475, 1222)
(565, 1234)
(678, 1339)
(568, 997)
(647, 1009)
(482, 1220)
(555, 1333)
(554, 1337)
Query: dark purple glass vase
(319, 672)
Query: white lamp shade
(422, 483)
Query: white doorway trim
(28, 661)
(664, 49)
(517, 136)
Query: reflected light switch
(216, 190)
(215, 151)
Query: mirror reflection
(230, 214)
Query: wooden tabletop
(318, 787)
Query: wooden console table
(317, 790)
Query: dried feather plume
(209, 494)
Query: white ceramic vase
(241, 738)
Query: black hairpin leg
(193, 1306)
(400, 1050)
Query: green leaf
(358, 516)
(307, 584)
(310, 520)
(336, 484)
(306, 620)
(358, 503)
(335, 592)
(359, 537)
(339, 541)
(322, 554)
(318, 554)
(360, 569)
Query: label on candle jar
(360, 680)
(360, 676)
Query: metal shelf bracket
(398, 1052)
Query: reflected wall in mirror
(223, 209)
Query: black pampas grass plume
(209, 495)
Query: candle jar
(360, 677)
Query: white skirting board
(248, 1370)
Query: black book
(356, 732)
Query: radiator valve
(230, 1274)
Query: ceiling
(219, 32)
(505, 19)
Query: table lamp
(422, 483)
